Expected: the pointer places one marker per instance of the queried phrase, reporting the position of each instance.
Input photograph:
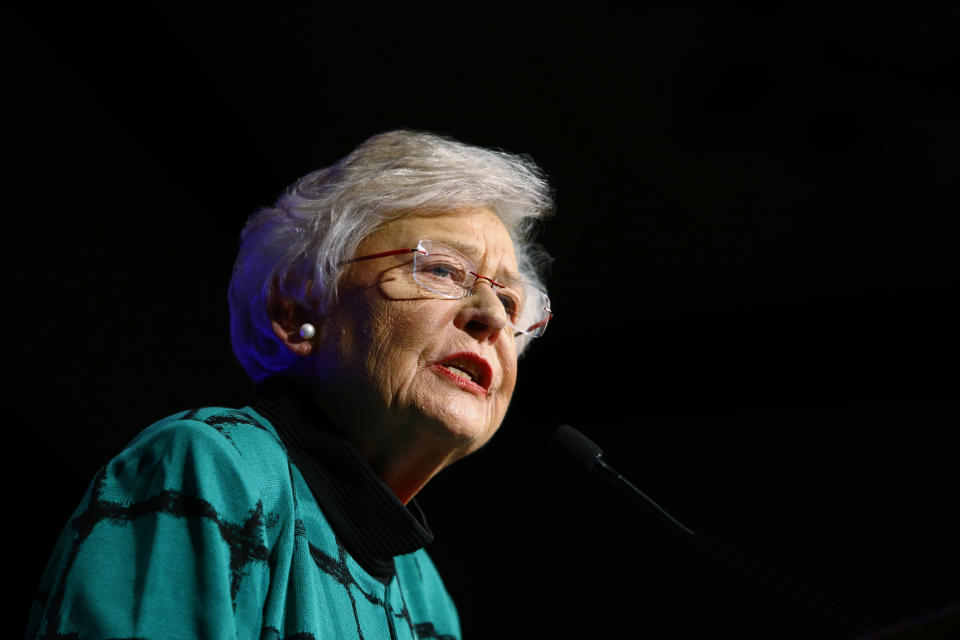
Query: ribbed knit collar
(368, 519)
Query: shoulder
(213, 453)
(213, 426)
(232, 433)
(172, 535)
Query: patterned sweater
(255, 523)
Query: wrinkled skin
(373, 360)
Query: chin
(465, 426)
(462, 421)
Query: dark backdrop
(754, 242)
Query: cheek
(432, 399)
(400, 333)
(404, 326)
(508, 380)
(508, 360)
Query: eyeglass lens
(449, 273)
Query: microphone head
(579, 447)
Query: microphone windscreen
(579, 447)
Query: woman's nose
(481, 312)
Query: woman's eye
(442, 271)
(510, 305)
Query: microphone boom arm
(590, 457)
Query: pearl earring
(307, 331)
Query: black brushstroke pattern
(338, 570)
(272, 633)
(426, 630)
(405, 613)
(244, 540)
(223, 420)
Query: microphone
(589, 456)
(583, 451)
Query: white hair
(295, 249)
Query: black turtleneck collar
(368, 519)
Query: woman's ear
(288, 318)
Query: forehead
(478, 233)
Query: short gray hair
(295, 249)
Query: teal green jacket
(210, 525)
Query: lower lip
(463, 383)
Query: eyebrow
(470, 249)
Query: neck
(405, 456)
(403, 452)
(406, 467)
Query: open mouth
(467, 369)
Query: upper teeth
(460, 372)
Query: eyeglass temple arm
(384, 254)
(538, 324)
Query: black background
(754, 246)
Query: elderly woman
(381, 306)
